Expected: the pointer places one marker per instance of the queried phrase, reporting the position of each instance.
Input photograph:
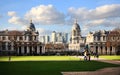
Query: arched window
(74, 32)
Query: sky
(59, 15)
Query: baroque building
(113, 42)
(102, 42)
(77, 42)
(16, 42)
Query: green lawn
(40, 58)
(112, 57)
(49, 67)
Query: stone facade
(77, 42)
(100, 42)
(20, 42)
(113, 41)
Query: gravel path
(105, 71)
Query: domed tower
(76, 33)
(31, 26)
(76, 40)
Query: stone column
(104, 51)
(99, 50)
(113, 50)
(32, 48)
(17, 38)
(6, 37)
(6, 45)
(38, 49)
(23, 38)
(28, 50)
(17, 50)
(22, 50)
(94, 48)
(108, 50)
(27, 38)
(43, 49)
(36, 38)
(12, 46)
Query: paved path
(103, 60)
(105, 71)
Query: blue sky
(59, 15)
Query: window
(98, 38)
(103, 38)
(9, 46)
(30, 38)
(3, 46)
(24, 37)
(113, 38)
(74, 33)
(3, 38)
(21, 38)
(9, 38)
(15, 38)
(35, 38)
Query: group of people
(88, 53)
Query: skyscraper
(53, 37)
(47, 39)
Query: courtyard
(49, 65)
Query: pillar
(99, 50)
(28, 50)
(38, 49)
(27, 38)
(108, 50)
(113, 50)
(18, 50)
(22, 49)
(104, 50)
(43, 49)
(12, 46)
(6, 45)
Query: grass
(49, 67)
(39, 58)
(112, 57)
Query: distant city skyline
(59, 16)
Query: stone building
(113, 41)
(102, 42)
(16, 42)
(77, 42)
(51, 48)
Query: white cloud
(106, 16)
(16, 20)
(98, 18)
(12, 13)
(106, 11)
(45, 15)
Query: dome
(31, 26)
(76, 26)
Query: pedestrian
(9, 58)
(97, 55)
(85, 55)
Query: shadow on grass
(50, 67)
